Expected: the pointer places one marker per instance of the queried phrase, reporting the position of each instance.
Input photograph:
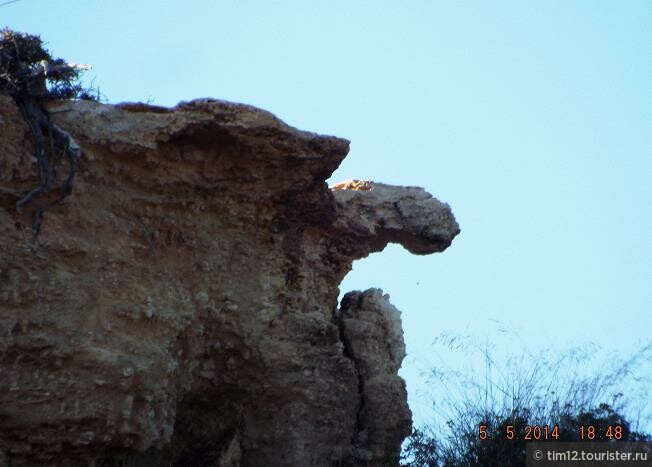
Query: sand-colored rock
(181, 305)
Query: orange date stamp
(550, 433)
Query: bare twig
(47, 69)
(10, 1)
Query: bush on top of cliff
(27, 69)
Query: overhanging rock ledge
(180, 307)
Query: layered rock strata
(180, 307)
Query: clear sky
(533, 120)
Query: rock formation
(180, 307)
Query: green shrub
(27, 69)
(31, 76)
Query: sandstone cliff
(180, 307)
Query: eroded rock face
(373, 339)
(181, 305)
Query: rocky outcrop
(373, 339)
(180, 307)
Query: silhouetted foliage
(27, 69)
(31, 76)
(421, 449)
(565, 390)
(466, 449)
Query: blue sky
(533, 120)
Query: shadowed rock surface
(180, 307)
